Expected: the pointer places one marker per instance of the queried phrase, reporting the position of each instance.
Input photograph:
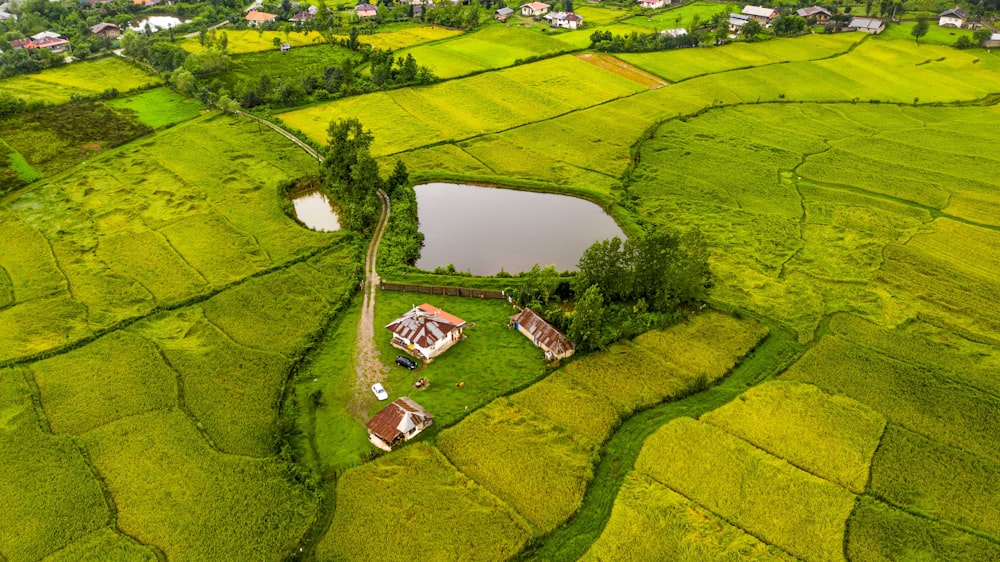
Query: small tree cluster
(640, 42)
(351, 174)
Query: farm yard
(175, 345)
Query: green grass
(828, 435)
(117, 376)
(879, 532)
(669, 526)
(492, 47)
(169, 487)
(105, 545)
(680, 17)
(239, 42)
(492, 360)
(918, 474)
(909, 394)
(595, 15)
(936, 35)
(159, 107)
(57, 85)
(535, 467)
(748, 487)
(383, 508)
(290, 67)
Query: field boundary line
(922, 515)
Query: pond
(156, 23)
(486, 229)
(313, 209)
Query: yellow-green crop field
(680, 17)
(57, 85)
(243, 41)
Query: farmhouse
(542, 334)
(652, 4)
(954, 17)
(535, 9)
(426, 331)
(45, 40)
(503, 13)
(146, 2)
(301, 17)
(866, 25)
(567, 20)
(764, 16)
(257, 18)
(737, 21)
(674, 32)
(400, 421)
(366, 10)
(107, 30)
(817, 13)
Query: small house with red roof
(257, 18)
(108, 30)
(535, 9)
(426, 331)
(366, 10)
(542, 334)
(400, 421)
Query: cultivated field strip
(59, 84)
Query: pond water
(486, 229)
(314, 210)
(156, 23)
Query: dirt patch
(624, 69)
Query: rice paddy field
(679, 17)
(173, 346)
(290, 67)
(57, 85)
(243, 41)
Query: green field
(159, 107)
(681, 17)
(936, 35)
(59, 84)
(243, 41)
(282, 68)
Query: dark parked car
(406, 362)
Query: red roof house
(400, 421)
(426, 331)
(257, 19)
(544, 335)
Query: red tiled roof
(544, 333)
(450, 318)
(260, 16)
(385, 424)
(422, 327)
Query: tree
(588, 320)
(399, 177)
(721, 33)
(982, 35)
(347, 140)
(920, 29)
(964, 42)
(751, 30)
(182, 80)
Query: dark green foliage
(402, 239)
(920, 29)
(751, 30)
(789, 25)
(588, 320)
(640, 42)
(351, 174)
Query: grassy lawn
(681, 17)
(57, 85)
(936, 35)
(159, 107)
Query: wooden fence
(448, 291)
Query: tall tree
(588, 320)
(920, 29)
(751, 30)
(347, 140)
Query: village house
(366, 10)
(954, 17)
(503, 13)
(542, 334)
(675, 33)
(866, 25)
(257, 18)
(5, 12)
(567, 20)
(400, 421)
(535, 9)
(764, 16)
(301, 17)
(48, 40)
(818, 14)
(107, 30)
(426, 331)
(737, 21)
(146, 2)
(652, 4)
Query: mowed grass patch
(241, 41)
(534, 466)
(57, 85)
(104, 545)
(830, 436)
(936, 480)
(170, 488)
(491, 361)
(116, 376)
(879, 532)
(472, 106)
(383, 510)
(684, 64)
(936, 35)
(650, 522)
(159, 107)
(492, 47)
(51, 497)
(747, 486)
(909, 394)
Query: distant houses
(257, 18)
(737, 21)
(398, 422)
(566, 20)
(764, 16)
(106, 30)
(867, 25)
(675, 33)
(542, 334)
(818, 14)
(366, 10)
(47, 40)
(535, 9)
(503, 13)
(426, 331)
(653, 4)
(955, 17)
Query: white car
(379, 391)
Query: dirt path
(368, 368)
